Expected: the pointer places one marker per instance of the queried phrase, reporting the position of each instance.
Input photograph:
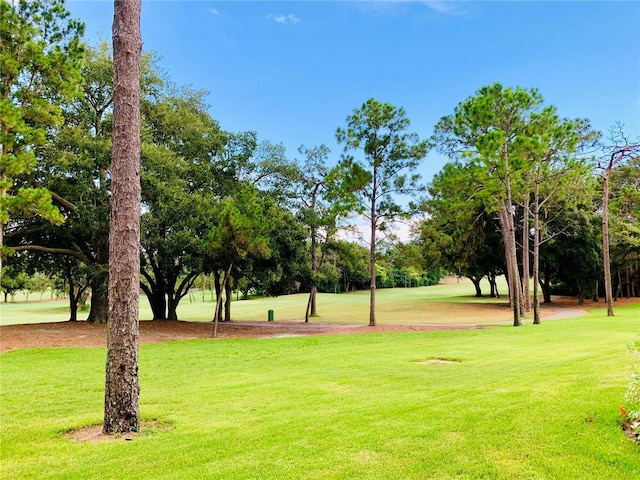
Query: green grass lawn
(394, 305)
(535, 402)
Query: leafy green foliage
(631, 413)
(181, 144)
(388, 156)
(515, 151)
(14, 278)
(241, 228)
(40, 58)
(353, 262)
(373, 183)
(459, 234)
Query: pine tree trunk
(121, 410)
(372, 269)
(526, 286)
(536, 258)
(311, 307)
(608, 287)
(507, 224)
(513, 275)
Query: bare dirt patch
(436, 361)
(83, 334)
(94, 434)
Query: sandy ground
(83, 334)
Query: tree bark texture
(158, 302)
(311, 306)
(608, 285)
(99, 311)
(545, 284)
(217, 282)
(372, 255)
(228, 294)
(526, 287)
(536, 257)
(121, 412)
(476, 284)
(507, 225)
(493, 285)
(513, 274)
(218, 310)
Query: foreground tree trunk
(121, 413)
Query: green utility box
(270, 315)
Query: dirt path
(83, 334)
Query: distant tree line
(531, 195)
(522, 194)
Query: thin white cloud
(398, 7)
(291, 18)
(448, 7)
(214, 11)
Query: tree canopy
(385, 170)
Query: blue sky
(292, 71)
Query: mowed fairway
(447, 303)
(535, 402)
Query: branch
(186, 284)
(147, 291)
(62, 202)
(54, 251)
(550, 236)
(150, 280)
